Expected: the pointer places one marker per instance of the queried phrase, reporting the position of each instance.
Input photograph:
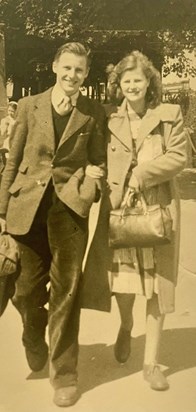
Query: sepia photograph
(98, 205)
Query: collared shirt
(58, 95)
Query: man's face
(71, 71)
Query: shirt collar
(132, 114)
(58, 94)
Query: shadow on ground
(98, 366)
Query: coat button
(40, 183)
(113, 148)
(52, 165)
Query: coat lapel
(151, 120)
(43, 116)
(80, 115)
(119, 125)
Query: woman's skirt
(133, 271)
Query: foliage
(177, 49)
(105, 26)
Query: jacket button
(113, 148)
(52, 165)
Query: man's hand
(3, 225)
(94, 171)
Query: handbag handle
(129, 200)
(144, 204)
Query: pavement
(105, 385)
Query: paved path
(106, 386)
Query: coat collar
(152, 119)
(119, 122)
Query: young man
(50, 182)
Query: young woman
(146, 150)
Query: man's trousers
(53, 251)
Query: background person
(7, 123)
(138, 161)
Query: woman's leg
(154, 326)
(122, 347)
(125, 303)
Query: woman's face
(134, 85)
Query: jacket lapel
(119, 125)
(43, 116)
(79, 116)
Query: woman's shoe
(37, 355)
(155, 377)
(122, 347)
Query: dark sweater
(60, 123)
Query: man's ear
(87, 72)
(54, 64)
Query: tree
(161, 28)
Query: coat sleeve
(97, 151)
(170, 163)
(20, 130)
(97, 147)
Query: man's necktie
(64, 106)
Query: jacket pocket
(23, 167)
(85, 134)
(15, 188)
(19, 180)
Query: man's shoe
(122, 347)
(37, 356)
(66, 396)
(155, 377)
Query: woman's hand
(133, 183)
(133, 188)
(94, 171)
(128, 197)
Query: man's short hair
(75, 48)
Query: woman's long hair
(130, 62)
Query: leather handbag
(139, 226)
(9, 258)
